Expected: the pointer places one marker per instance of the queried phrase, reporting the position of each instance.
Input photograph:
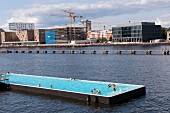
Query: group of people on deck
(72, 78)
(1, 78)
(97, 91)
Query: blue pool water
(65, 84)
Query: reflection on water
(152, 71)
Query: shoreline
(86, 45)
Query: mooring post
(133, 52)
(118, 52)
(22, 51)
(105, 51)
(62, 52)
(29, 51)
(16, 51)
(93, 52)
(166, 52)
(44, 51)
(37, 51)
(82, 52)
(72, 52)
(53, 52)
(8, 51)
(148, 52)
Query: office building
(136, 32)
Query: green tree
(110, 39)
(168, 29)
(164, 32)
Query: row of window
(129, 32)
(127, 28)
(128, 35)
(128, 40)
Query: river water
(150, 70)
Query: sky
(107, 13)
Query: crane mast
(72, 21)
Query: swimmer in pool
(112, 85)
(97, 91)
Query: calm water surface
(150, 70)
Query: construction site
(26, 34)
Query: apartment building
(39, 36)
(21, 26)
(17, 38)
(101, 34)
(25, 35)
(105, 34)
(94, 34)
(9, 37)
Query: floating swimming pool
(78, 89)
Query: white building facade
(21, 26)
(168, 35)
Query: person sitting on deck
(113, 85)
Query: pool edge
(84, 97)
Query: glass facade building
(136, 32)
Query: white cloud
(164, 20)
(106, 9)
(23, 19)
